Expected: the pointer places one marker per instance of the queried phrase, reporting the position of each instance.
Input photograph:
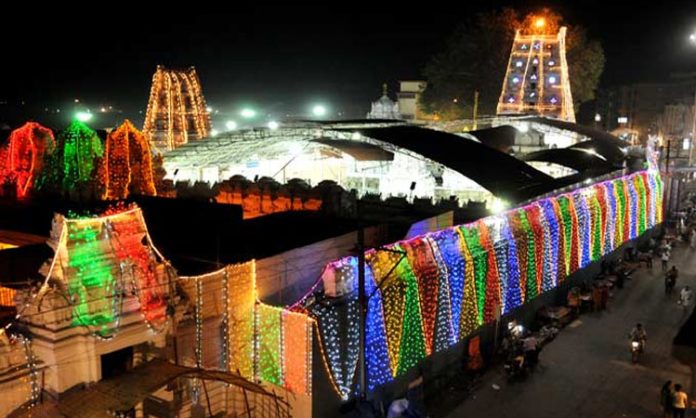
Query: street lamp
(83, 116)
(273, 125)
(319, 110)
(692, 38)
(231, 125)
(247, 113)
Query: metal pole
(693, 130)
(476, 100)
(667, 199)
(669, 145)
(362, 305)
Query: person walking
(671, 279)
(604, 292)
(679, 402)
(665, 259)
(666, 399)
(597, 297)
(685, 297)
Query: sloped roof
(579, 159)
(500, 173)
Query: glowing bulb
(273, 125)
(83, 116)
(248, 113)
(552, 80)
(540, 23)
(319, 110)
(231, 125)
(213, 132)
(498, 206)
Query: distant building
(384, 108)
(409, 97)
(664, 109)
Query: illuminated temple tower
(537, 79)
(176, 112)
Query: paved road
(587, 371)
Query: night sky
(282, 57)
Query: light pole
(692, 39)
(693, 125)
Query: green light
(248, 113)
(319, 110)
(83, 116)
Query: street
(587, 371)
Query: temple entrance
(117, 362)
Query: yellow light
(498, 206)
(539, 22)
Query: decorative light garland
(457, 277)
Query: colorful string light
(127, 166)
(29, 146)
(438, 288)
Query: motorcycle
(514, 368)
(636, 350)
(669, 285)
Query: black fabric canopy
(500, 173)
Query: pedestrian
(679, 402)
(685, 297)
(620, 278)
(604, 292)
(597, 297)
(574, 300)
(665, 259)
(693, 239)
(530, 347)
(666, 399)
(669, 283)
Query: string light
(451, 281)
(446, 245)
(29, 146)
(176, 111)
(71, 167)
(127, 164)
(261, 342)
(31, 362)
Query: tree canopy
(476, 56)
